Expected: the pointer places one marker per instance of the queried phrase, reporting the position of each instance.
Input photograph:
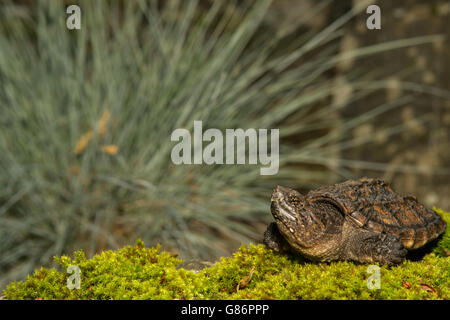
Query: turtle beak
(280, 206)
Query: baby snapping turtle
(361, 220)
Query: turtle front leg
(370, 247)
(274, 239)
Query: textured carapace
(373, 205)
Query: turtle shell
(373, 205)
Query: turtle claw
(388, 249)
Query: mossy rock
(253, 272)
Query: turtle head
(302, 220)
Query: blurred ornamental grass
(86, 119)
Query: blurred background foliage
(86, 116)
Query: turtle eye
(293, 199)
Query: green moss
(147, 273)
(444, 242)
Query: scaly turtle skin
(360, 220)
